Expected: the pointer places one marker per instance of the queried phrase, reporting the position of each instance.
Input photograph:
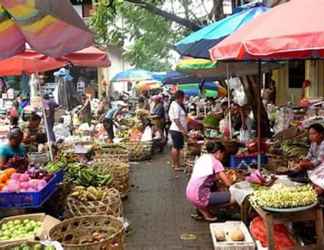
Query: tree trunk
(217, 11)
(250, 84)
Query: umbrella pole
(47, 130)
(259, 113)
(229, 103)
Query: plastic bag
(244, 135)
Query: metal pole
(259, 112)
(229, 102)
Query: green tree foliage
(147, 30)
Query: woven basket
(113, 152)
(74, 233)
(139, 151)
(119, 172)
(110, 205)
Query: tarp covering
(294, 30)
(198, 43)
(51, 27)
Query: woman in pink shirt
(207, 169)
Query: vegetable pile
(86, 176)
(284, 197)
(37, 246)
(33, 180)
(19, 229)
(281, 235)
(210, 121)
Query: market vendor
(109, 120)
(314, 161)
(12, 150)
(207, 170)
(33, 134)
(159, 112)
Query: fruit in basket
(19, 229)
(236, 234)
(88, 194)
(219, 234)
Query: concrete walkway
(158, 211)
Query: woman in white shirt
(178, 129)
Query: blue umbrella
(175, 77)
(197, 44)
(133, 75)
(159, 76)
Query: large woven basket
(119, 172)
(113, 152)
(75, 233)
(110, 205)
(139, 151)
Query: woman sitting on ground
(314, 161)
(207, 170)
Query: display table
(313, 214)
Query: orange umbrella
(29, 62)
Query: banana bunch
(89, 193)
(122, 134)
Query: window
(296, 74)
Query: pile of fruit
(33, 180)
(88, 194)
(281, 196)
(19, 229)
(232, 234)
(95, 237)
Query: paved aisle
(158, 211)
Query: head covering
(64, 73)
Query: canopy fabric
(293, 30)
(133, 75)
(194, 90)
(175, 77)
(187, 65)
(51, 27)
(197, 44)
(89, 57)
(27, 63)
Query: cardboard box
(48, 222)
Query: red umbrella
(29, 62)
(294, 30)
(89, 57)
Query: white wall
(118, 64)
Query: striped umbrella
(51, 27)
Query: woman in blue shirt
(13, 150)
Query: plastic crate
(235, 161)
(31, 199)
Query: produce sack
(281, 235)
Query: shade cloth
(27, 63)
(294, 30)
(198, 43)
(89, 57)
(133, 75)
(51, 27)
